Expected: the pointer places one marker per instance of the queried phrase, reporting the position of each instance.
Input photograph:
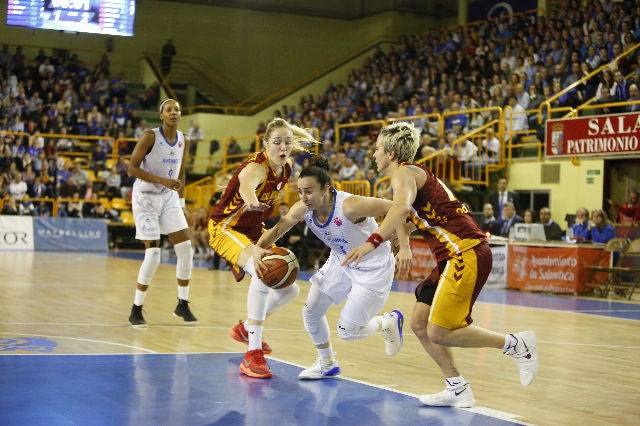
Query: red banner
(422, 260)
(593, 135)
(551, 269)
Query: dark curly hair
(319, 169)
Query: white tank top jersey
(164, 159)
(341, 235)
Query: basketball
(281, 268)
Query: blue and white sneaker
(321, 369)
(392, 323)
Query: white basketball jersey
(164, 159)
(341, 235)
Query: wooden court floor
(589, 349)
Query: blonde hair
(300, 136)
(402, 138)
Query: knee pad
(316, 325)
(280, 297)
(184, 260)
(149, 265)
(349, 331)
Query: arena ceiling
(340, 9)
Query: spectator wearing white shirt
(515, 122)
(17, 187)
(348, 169)
(195, 136)
(491, 147)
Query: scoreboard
(113, 17)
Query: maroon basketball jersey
(443, 220)
(231, 207)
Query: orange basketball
(281, 270)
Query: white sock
(183, 292)
(255, 336)
(139, 297)
(454, 381)
(326, 354)
(374, 325)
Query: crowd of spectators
(58, 94)
(519, 61)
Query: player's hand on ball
(258, 254)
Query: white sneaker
(321, 369)
(457, 395)
(392, 323)
(525, 355)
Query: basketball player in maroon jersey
(441, 316)
(236, 224)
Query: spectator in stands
(621, 86)
(75, 206)
(348, 169)
(581, 226)
(372, 176)
(149, 99)
(489, 223)
(166, 58)
(491, 147)
(467, 154)
(10, 207)
(510, 218)
(457, 117)
(18, 188)
(608, 97)
(552, 230)
(195, 136)
(233, 150)
(629, 212)
(98, 158)
(499, 197)
(600, 229)
(634, 95)
(79, 176)
(529, 216)
(515, 122)
(607, 82)
(140, 129)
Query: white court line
(485, 411)
(103, 342)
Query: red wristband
(375, 239)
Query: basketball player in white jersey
(157, 163)
(342, 221)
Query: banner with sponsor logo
(593, 135)
(16, 233)
(555, 269)
(498, 276)
(70, 234)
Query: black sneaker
(182, 310)
(136, 319)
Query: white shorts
(337, 281)
(157, 214)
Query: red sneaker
(254, 365)
(239, 333)
(238, 272)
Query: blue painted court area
(197, 389)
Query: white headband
(164, 102)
